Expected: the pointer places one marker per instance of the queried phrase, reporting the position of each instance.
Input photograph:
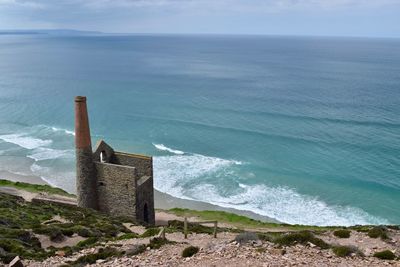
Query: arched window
(102, 156)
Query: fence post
(185, 226)
(215, 229)
(163, 233)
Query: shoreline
(162, 200)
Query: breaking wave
(199, 177)
(25, 141)
(164, 148)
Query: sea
(305, 130)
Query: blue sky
(372, 18)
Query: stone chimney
(86, 184)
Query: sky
(369, 18)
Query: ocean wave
(25, 141)
(185, 176)
(54, 178)
(164, 148)
(41, 153)
(68, 132)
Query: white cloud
(21, 3)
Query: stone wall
(86, 181)
(116, 189)
(143, 164)
(145, 200)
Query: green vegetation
(157, 242)
(385, 255)
(189, 251)
(102, 254)
(342, 251)
(342, 233)
(150, 232)
(302, 237)
(177, 226)
(19, 216)
(378, 231)
(127, 236)
(34, 187)
(239, 220)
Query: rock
(134, 250)
(100, 261)
(60, 253)
(257, 243)
(311, 244)
(16, 262)
(277, 251)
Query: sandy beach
(162, 200)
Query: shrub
(87, 243)
(102, 254)
(378, 231)
(385, 255)
(84, 232)
(157, 242)
(151, 232)
(127, 236)
(67, 232)
(56, 236)
(245, 237)
(343, 251)
(343, 233)
(302, 237)
(189, 251)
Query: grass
(239, 220)
(189, 251)
(34, 188)
(342, 233)
(385, 255)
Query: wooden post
(215, 229)
(185, 228)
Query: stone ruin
(116, 183)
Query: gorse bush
(342, 233)
(385, 255)
(344, 251)
(378, 231)
(102, 254)
(189, 251)
(302, 237)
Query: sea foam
(164, 148)
(25, 141)
(42, 153)
(187, 177)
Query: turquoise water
(304, 130)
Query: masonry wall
(143, 164)
(145, 190)
(116, 189)
(145, 200)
